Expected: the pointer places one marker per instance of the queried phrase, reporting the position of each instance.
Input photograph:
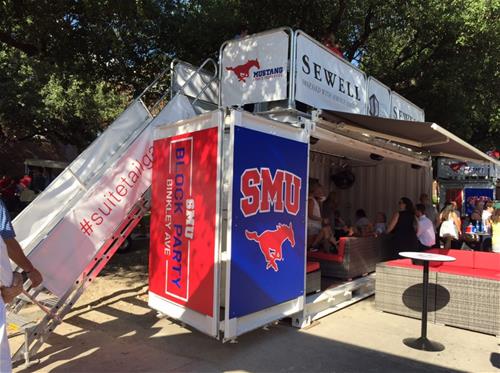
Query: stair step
(17, 324)
(49, 302)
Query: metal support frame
(334, 299)
(36, 331)
(35, 335)
(200, 69)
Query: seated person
(340, 227)
(325, 240)
(380, 223)
(319, 232)
(363, 227)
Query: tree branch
(335, 24)
(406, 52)
(367, 30)
(29, 49)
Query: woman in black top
(403, 228)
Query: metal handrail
(189, 80)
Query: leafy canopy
(67, 68)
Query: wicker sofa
(464, 293)
(355, 256)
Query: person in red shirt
(8, 192)
(331, 43)
(25, 181)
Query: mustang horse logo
(271, 243)
(457, 166)
(243, 71)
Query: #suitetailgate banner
(255, 69)
(326, 81)
(268, 221)
(183, 219)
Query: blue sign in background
(253, 287)
(472, 195)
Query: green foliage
(446, 60)
(67, 68)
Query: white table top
(429, 257)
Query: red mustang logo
(271, 243)
(457, 166)
(243, 71)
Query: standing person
(330, 206)
(403, 227)
(486, 215)
(16, 254)
(495, 231)
(8, 192)
(38, 182)
(450, 229)
(319, 232)
(430, 210)
(331, 43)
(10, 287)
(425, 231)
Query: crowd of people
(414, 227)
(18, 192)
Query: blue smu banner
(475, 195)
(268, 221)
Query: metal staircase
(39, 220)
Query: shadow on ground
(134, 342)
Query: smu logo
(243, 71)
(264, 192)
(271, 243)
(261, 190)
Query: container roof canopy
(424, 136)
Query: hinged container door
(266, 237)
(185, 222)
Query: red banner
(183, 219)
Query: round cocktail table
(422, 343)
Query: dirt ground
(112, 329)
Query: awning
(424, 136)
(45, 163)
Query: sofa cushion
(490, 274)
(339, 257)
(463, 258)
(312, 266)
(462, 271)
(484, 260)
(319, 255)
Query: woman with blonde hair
(450, 229)
(495, 231)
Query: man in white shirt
(430, 211)
(425, 232)
(5, 281)
(10, 249)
